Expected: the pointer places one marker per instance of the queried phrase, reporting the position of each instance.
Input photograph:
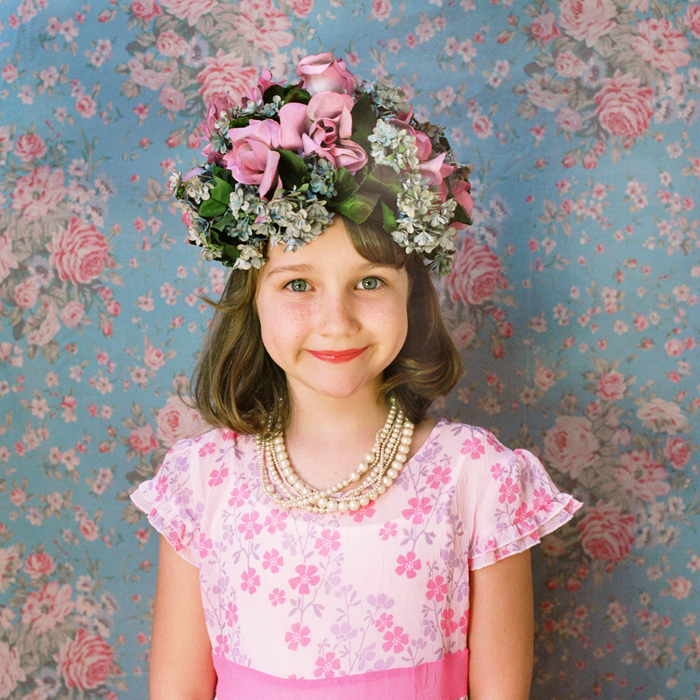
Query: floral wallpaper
(574, 299)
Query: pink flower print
(216, 476)
(395, 638)
(464, 622)
(492, 442)
(385, 622)
(327, 665)
(542, 499)
(231, 614)
(272, 560)
(207, 449)
(276, 597)
(439, 475)
(437, 588)
(205, 545)
(418, 509)
(327, 541)
(497, 470)
(364, 512)
(275, 521)
(251, 581)
(249, 526)
(388, 530)
(239, 495)
(161, 486)
(473, 448)
(408, 565)
(222, 647)
(298, 635)
(307, 577)
(522, 513)
(509, 491)
(447, 624)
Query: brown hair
(237, 385)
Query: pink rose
(544, 378)
(568, 65)
(27, 293)
(661, 415)
(146, 77)
(11, 672)
(381, 10)
(29, 146)
(545, 27)
(325, 72)
(607, 534)
(252, 158)
(226, 75)
(674, 347)
(146, 9)
(72, 313)
(39, 564)
(153, 356)
(482, 126)
(191, 10)
(676, 451)
(142, 440)
(692, 19)
(263, 25)
(172, 99)
(587, 20)
(177, 421)
(611, 386)
(46, 332)
(570, 445)
(39, 192)
(47, 607)
(642, 476)
(85, 661)
(475, 275)
(464, 335)
(569, 119)
(85, 106)
(302, 7)
(625, 108)
(171, 44)
(660, 44)
(590, 160)
(78, 252)
(89, 530)
(460, 191)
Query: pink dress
(372, 605)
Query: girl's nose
(336, 315)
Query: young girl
(327, 539)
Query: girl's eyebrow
(304, 267)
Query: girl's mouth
(337, 356)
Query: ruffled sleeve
(517, 505)
(171, 503)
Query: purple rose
(325, 72)
(252, 159)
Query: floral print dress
(371, 604)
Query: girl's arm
(181, 667)
(501, 630)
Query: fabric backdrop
(574, 300)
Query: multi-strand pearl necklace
(372, 477)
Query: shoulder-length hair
(236, 384)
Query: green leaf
(358, 207)
(388, 219)
(219, 198)
(461, 216)
(292, 169)
(345, 184)
(296, 94)
(363, 122)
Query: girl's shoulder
(464, 439)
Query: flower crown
(283, 162)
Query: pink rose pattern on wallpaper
(574, 300)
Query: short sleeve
(170, 502)
(518, 504)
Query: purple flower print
(231, 614)
(395, 638)
(327, 665)
(251, 581)
(388, 530)
(222, 647)
(275, 521)
(384, 622)
(419, 508)
(437, 588)
(207, 449)
(216, 476)
(307, 577)
(439, 475)
(277, 597)
(239, 496)
(272, 560)
(327, 541)
(249, 526)
(473, 448)
(408, 565)
(298, 635)
(447, 623)
(509, 491)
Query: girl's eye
(298, 285)
(369, 283)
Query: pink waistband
(445, 679)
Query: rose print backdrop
(574, 300)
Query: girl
(327, 539)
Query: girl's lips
(337, 356)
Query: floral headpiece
(283, 162)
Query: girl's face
(332, 320)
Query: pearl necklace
(379, 469)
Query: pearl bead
(353, 504)
(381, 488)
(354, 476)
(322, 502)
(342, 506)
(362, 467)
(387, 481)
(405, 440)
(369, 456)
(284, 463)
(280, 448)
(400, 457)
(370, 496)
(269, 488)
(397, 465)
(391, 472)
(332, 505)
(288, 471)
(403, 449)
